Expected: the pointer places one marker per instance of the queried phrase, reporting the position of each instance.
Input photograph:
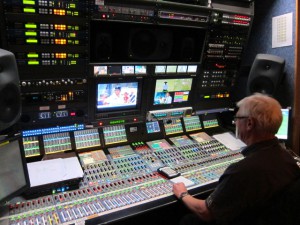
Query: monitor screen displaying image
(283, 131)
(140, 69)
(117, 96)
(160, 69)
(127, 70)
(170, 91)
(100, 70)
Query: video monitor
(112, 96)
(171, 69)
(182, 68)
(127, 69)
(172, 91)
(114, 70)
(283, 132)
(100, 70)
(192, 69)
(159, 69)
(140, 69)
(13, 174)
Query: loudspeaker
(265, 74)
(150, 44)
(10, 99)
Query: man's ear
(251, 124)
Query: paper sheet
(54, 170)
(230, 141)
(182, 179)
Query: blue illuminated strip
(52, 130)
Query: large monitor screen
(13, 174)
(143, 42)
(172, 91)
(114, 96)
(283, 131)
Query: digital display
(169, 91)
(100, 70)
(140, 69)
(171, 69)
(114, 70)
(210, 120)
(44, 115)
(283, 130)
(160, 69)
(117, 96)
(192, 69)
(152, 127)
(182, 69)
(127, 70)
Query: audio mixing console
(125, 177)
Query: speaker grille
(265, 74)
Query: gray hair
(264, 109)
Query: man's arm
(197, 206)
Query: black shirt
(247, 187)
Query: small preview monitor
(126, 70)
(114, 70)
(159, 69)
(13, 174)
(171, 69)
(100, 70)
(172, 91)
(283, 131)
(192, 69)
(182, 68)
(140, 69)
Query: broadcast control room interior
(105, 104)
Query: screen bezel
(120, 110)
(23, 188)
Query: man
(115, 98)
(247, 187)
(168, 98)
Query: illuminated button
(60, 27)
(29, 10)
(28, 2)
(59, 12)
(31, 26)
(31, 41)
(30, 33)
(60, 41)
(32, 55)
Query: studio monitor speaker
(265, 74)
(10, 100)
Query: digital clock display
(61, 114)
(116, 122)
(44, 115)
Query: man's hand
(179, 188)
